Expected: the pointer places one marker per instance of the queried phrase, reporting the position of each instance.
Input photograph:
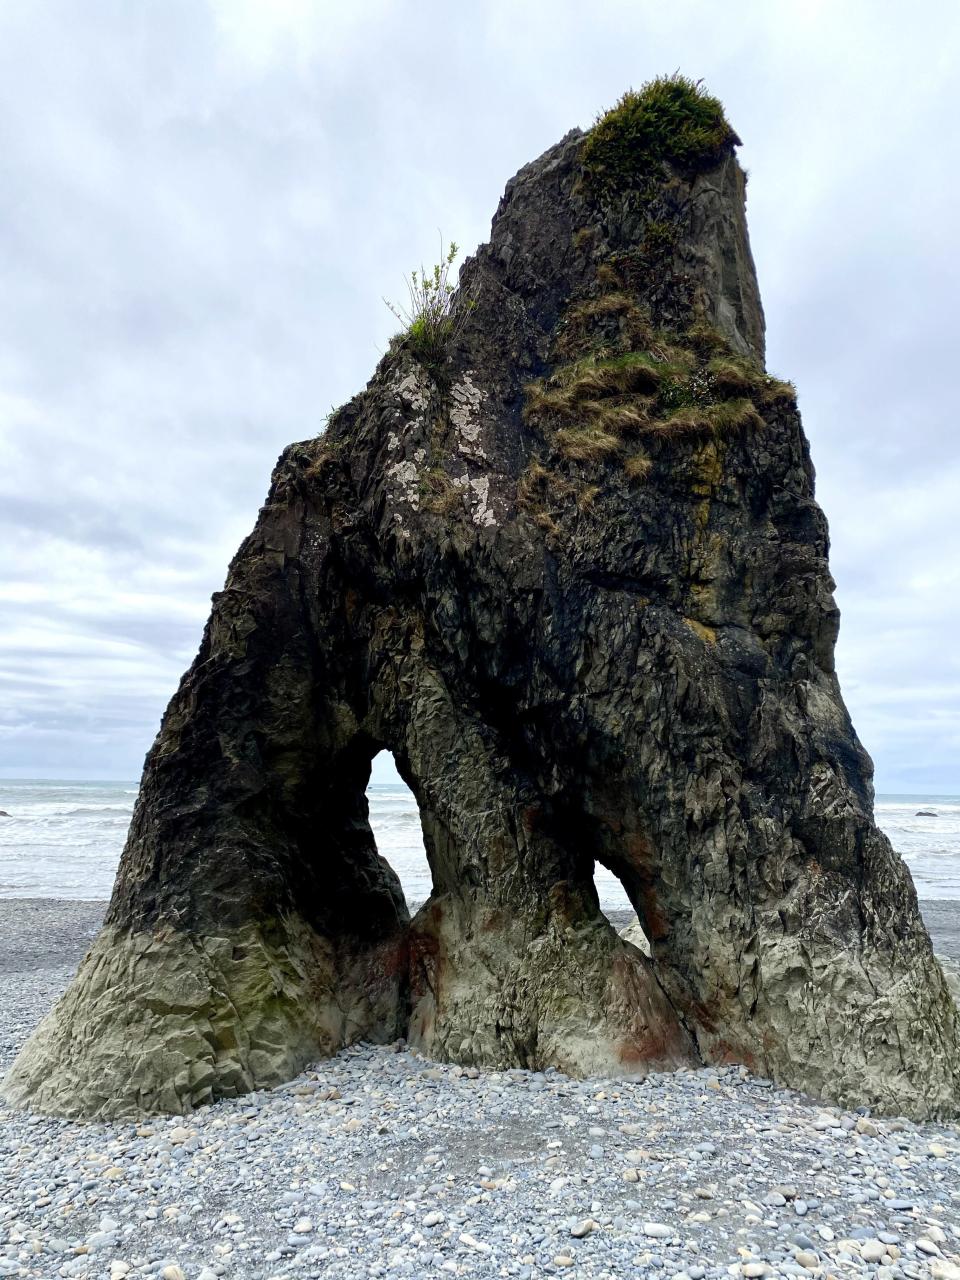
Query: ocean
(64, 839)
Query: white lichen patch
(405, 478)
(483, 515)
(466, 399)
(412, 391)
(477, 491)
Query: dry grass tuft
(537, 488)
(689, 420)
(532, 482)
(545, 400)
(623, 419)
(601, 374)
(613, 320)
(776, 391)
(586, 444)
(608, 304)
(545, 521)
(323, 453)
(438, 494)
(638, 466)
(587, 496)
(583, 381)
(618, 378)
(709, 419)
(734, 415)
(732, 377)
(704, 337)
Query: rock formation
(566, 564)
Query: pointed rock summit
(562, 558)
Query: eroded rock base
(487, 992)
(854, 1027)
(165, 1021)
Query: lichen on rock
(576, 581)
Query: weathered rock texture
(591, 616)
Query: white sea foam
(63, 839)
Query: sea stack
(562, 558)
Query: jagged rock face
(575, 579)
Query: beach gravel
(379, 1163)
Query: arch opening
(394, 818)
(616, 907)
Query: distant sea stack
(562, 558)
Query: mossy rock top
(671, 120)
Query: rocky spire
(564, 560)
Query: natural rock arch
(574, 578)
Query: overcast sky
(202, 204)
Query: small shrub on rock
(435, 312)
(671, 120)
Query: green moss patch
(626, 396)
(671, 120)
(594, 402)
(619, 383)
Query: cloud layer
(203, 204)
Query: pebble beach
(381, 1163)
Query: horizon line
(135, 782)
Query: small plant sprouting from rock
(434, 313)
(670, 120)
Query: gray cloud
(203, 203)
